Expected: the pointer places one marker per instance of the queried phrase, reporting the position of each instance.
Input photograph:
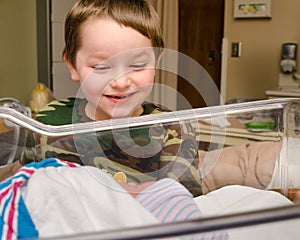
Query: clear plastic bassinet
(221, 131)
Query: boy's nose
(121, 82)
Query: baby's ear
(72, 69)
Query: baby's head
(136, 14)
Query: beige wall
(258, 68)
(18, 53)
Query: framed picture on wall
(252, 9)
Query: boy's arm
(248, 165)
(201, 172)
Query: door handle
(211, 57)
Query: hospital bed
(241, 206)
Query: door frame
(43, 14)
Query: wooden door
(200, 37)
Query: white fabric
(234, 199)
(290, 163)
(287, 170)
(64, 201)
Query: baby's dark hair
(137, 14)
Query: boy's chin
(123, 113)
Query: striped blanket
(15, 221)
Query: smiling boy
(112, 48)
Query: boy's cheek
(146, 77)
(95, 83)
(92, 89)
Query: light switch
(236, 49)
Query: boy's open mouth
(120, 96)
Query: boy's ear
(159, 58)
(72, 70)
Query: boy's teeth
(121, 97)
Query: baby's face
(116, 67)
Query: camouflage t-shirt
(138, 154)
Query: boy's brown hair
(137, 14)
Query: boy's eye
(138, 66)
(101, 68)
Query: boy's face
(115, 67)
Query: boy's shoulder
(151, 108)
(58, 112)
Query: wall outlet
(236, 49)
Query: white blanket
(234, 199)
(64, 201)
